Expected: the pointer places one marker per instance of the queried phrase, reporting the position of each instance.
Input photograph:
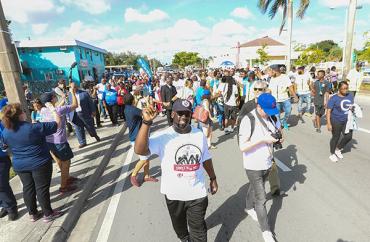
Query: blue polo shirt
(133, 121)
(198, 96)
(28, 144)
(110, 97)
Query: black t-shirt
(320, 89)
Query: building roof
(261, 42)
(56, 43)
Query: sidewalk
(83, 165)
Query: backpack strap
(253, 124)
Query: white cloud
(228, 27)
(341, 3)
(60, 9)
(39, 28)
(243, 13)
(134, 15)
(87, 33)
(20, 12)
(90, 6)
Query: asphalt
(324, 201)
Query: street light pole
(349, 39)
(290, 26)
(9, 65)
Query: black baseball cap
(181, 105)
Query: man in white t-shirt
(184, 156)
(101, 89)
(280, 86)
(228, 89)
(257, 147)
(303, 83)
(354, 79)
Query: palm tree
(272, 6)
(287, 5)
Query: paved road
(325, 201)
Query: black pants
(169, 118)
(81, 123)
(113, 113)
(337, 130)
(97, 114)
(241, 103)
(37, 183)
(189, 213)
(121, 111)
(7, 199)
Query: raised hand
(149, 113)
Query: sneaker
(286, 126)
(150, 179)
(35, 217)
(3, 212)
(318, 131)
(81, 146)
(253, 214)
(134, 181)
(268, 236)
(97, 138)
(333, 158)
(72, 179)
(338, 153)
(52, 217)
(212, 147)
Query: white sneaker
(333, 158)
(268, 237)
(253, 214)
(338, 153)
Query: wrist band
(147, 122)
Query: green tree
(272, 7)
(263, 56)
(364, 54)
(128, 58)
(325, 45)
(335, 54)
(182, 59)
(310, 56)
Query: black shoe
(13, 215)
(276, 193)
(3, 213)
(81, 146)
(318, 130)
(97, 138)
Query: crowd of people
(254, 103)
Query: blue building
(50, 60)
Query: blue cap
(268, 104)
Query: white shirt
(260, 157)
(185, 93)
(223, 87)
(355, 80)
(302, 82)
(101, 89)
(182, 157)
(179, 85)
(279, 87)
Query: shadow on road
(229, 215)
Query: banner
(144, 64)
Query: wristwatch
(148, 122)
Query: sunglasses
(259, 89)
(183, 113)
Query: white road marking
(281, 165)
(113, 204)
(364, 130)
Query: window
(40, 49)
(49, 76)
(91, 56)
(81, 54)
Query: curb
(75, 211)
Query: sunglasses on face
(183, 113)
(259, 89)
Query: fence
(36, 87)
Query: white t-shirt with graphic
(260, 157)
(302, 81)
(182, 157)
(279, 87)
(223, 87)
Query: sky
(160, 28)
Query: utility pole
(290, 26)
(9, 65)
(349, 37)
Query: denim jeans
(256, 196)
(287, 107)
(304, 98)
(102, 109)
(7, 199)
(220, 113)
(81, 123)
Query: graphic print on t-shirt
(345, 105)
(187, 158)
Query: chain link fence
(36, 87)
